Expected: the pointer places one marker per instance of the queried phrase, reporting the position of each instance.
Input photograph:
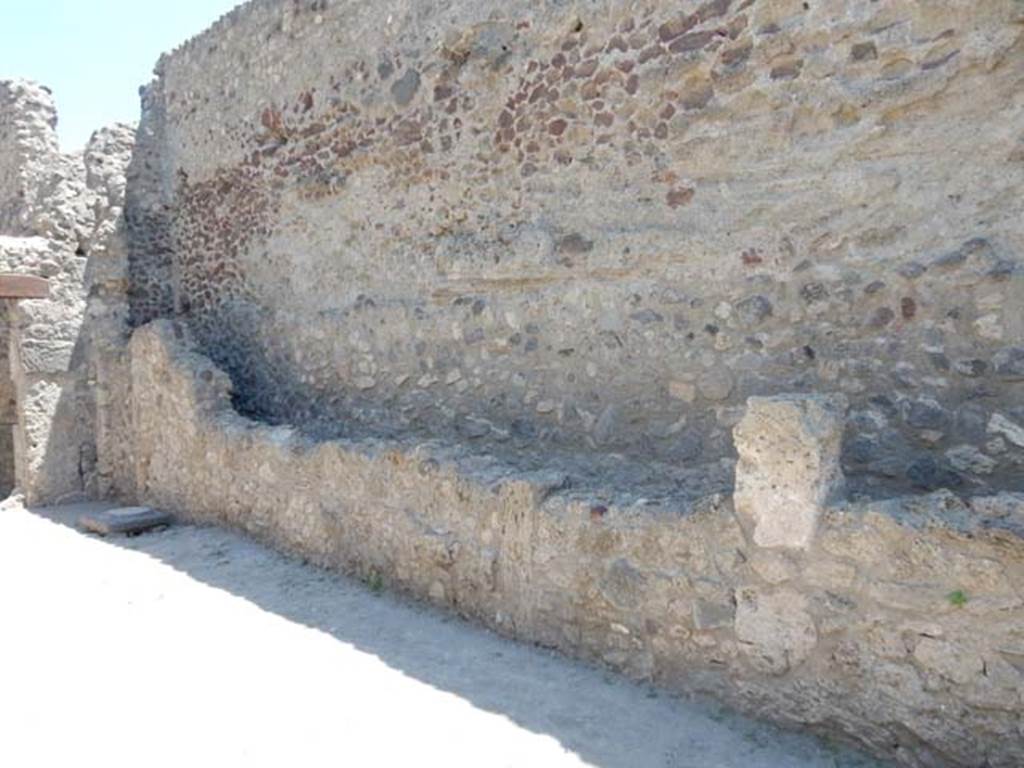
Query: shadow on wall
(602, 718)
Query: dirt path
(196, 647)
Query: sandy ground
(197, 647)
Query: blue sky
(94, 54)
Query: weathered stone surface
(711, 615)
(503, 279)
(604, 191)
(967, 458)
(128, 520)
(775, 629)
(715, 384)
(675, 595)
(1006, 427)
(55, 211)
(789, 465)
(953, 662)
(42, 356)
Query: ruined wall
(54, 210)
(496, 283)
(28, 152)
(600, 227)
(113, 164)
(900, 625)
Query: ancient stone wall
(601, 227)
(481, 301)
(54, 210)
(28, 150)
(897, 624)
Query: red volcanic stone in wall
(908, 308)
(271, 120)
(585, 68)
(604, 119)
(633, 84)
(733, 56)
(505, 119)
(691, 42)
(667, 112)
(650, 53)
(670, 30)
(751, 257)
(408, 132)
(557, 127)
(676, 198)
(443, 91)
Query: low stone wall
(898, 624)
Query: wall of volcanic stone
(602, 226)
(899, 626)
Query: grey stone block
(125, 520)
(789, 465)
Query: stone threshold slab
(126, 520)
